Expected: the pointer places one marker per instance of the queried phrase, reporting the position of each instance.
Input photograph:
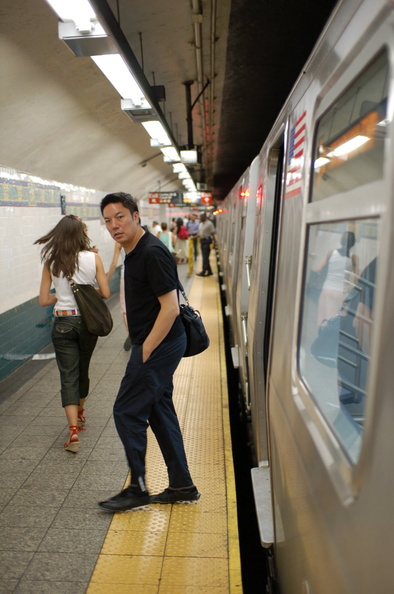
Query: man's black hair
(126, 199)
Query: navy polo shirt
(149, 272)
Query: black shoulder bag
(197, 337)
(93, 309)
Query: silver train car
(305, 248)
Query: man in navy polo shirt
(158, 343)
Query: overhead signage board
(180, 198)
(165, 198)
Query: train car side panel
(323, 418)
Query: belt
(66, 312)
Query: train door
(262, 287)
(233, 253)
(221, 221)
(242, 282)
(223, 229)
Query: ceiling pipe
(189, 119)
(197, 25)
(211, 114)
(189, 109)
(146, 161)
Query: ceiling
(62, 119)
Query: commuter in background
(180, 241)
(66, 255)
(206, 234)
(167, 238)
(119, 252)
(192, 229)
(158, 344)
(156, 228)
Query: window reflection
(350, 136)
(336, 273)
(337, 323)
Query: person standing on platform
(66, 254)
(206, 234)
(156, 228)
(192, 229)
(158, 344)
(181, 237)
(167, 238)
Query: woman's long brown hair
(62, 245)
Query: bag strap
(72, 284)
(182, 290)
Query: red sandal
(72, 444)
(81, 416)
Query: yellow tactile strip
(184, 548)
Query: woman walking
(66, 256)
(167, 238)
(180, 241)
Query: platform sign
(173, 199)
(198, 198)
(154, 198)
(165, 198)
(206, 198)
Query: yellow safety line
(232, 519)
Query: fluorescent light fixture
(116, 70)
(320, 162)
(189, 184)
(82, 32)
(183, 175)
(156, 131)
(178, 167)
(137, 113)
(78, 11)
(94, 42)
(170, 153)
(189, 156)
(349, 146)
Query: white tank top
(338, 273)
(85, 275)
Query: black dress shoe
(200, 274)
(209, 273)
(127, 499)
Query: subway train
(305, 245)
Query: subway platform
(53, 535)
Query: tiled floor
(51, 529)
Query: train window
(337, 323)
(350, 136)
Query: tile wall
(29, 207)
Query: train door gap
(254, 563)
(275, 170)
